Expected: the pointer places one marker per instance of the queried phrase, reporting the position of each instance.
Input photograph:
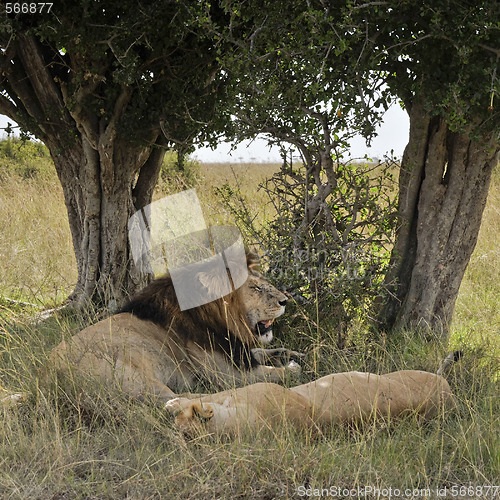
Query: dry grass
(66, 443)
(72, 443)
(246, 178)
(37, 262)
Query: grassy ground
(64, 444)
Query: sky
(391, 135)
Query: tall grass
(477, 314)
(53, 446)
(85, 442)
(37, 263)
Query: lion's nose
(285, 296)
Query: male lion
(152, 347)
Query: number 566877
(27, 8)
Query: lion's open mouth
(264, 332)
(264, 326)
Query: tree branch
(490, 49)
(148, 175)
(107, 135)
(8, 108)
(41, 81)
(86, 120)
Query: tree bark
(443, 186)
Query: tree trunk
(99, 203)
(443, 186)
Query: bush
(178, 174)
(335, 262)
(24, 158)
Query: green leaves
(157, 49)
(438, 54)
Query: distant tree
(107, 86)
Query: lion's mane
(220, 325)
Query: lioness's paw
(174, 405)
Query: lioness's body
(351, 397)
(155, 348)
(340, 398)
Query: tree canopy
(133, 65)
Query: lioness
(352, 397)
(152, 347)
(340, 398)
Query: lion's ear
(252, 261)
(202, 413)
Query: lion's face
(263, 303)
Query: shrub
(337, 260)
(25, 158)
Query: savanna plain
(68, 442)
